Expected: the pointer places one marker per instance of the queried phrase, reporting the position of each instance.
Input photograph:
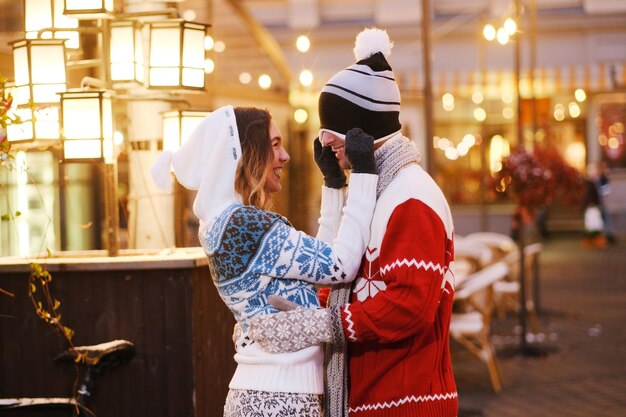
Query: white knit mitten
(288, 331)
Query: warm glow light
(444, 143)
(498, 149)
(303, 43)
(602, 140)
(510, 26)
(209, 65)
(178, 125)
(447, 101)
(480, 114)
(559, 112)
(87, 125)
(574, 109)
(451, 153)
(507, 97)
(613, 143)
(508, 113)
(469, 140)
(489, 32)
(306, 78)
(171, 66)
(208, 42)
(503, 36)
(462, 149)
(189, 15)
(580, 95)
(126, 52)
(575, 155)
(245, 78)
(219, 46)
(265, 81)
(300, 115)
(477, 97)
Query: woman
(235, 160)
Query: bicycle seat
(104, 355)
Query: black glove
(360, 151)
(334, 177)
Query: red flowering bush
(537, 179)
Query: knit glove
(334, 177)
(360, 151)
(289, 331)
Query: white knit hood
(206, 162)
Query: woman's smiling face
(279, 159)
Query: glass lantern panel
(193, 77)
(165, 47)
(122, 53)
(21, 94)
(193, 48)
(47, 93)
(48, 64)
(81, 119)
(189, 125)
(82, 149)
(138, 56)
(107, 119)
(107, 150)
(24, 130)
(37, 15)
(171, 132)
(164, 77)
(47, 123)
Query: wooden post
(112, 221)
(428, 92)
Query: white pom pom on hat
(371, 41)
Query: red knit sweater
(399, 313)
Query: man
(393, 320)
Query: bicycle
(97, 359)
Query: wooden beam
(264, 38)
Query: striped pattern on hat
(365, 94)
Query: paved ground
(583, 319)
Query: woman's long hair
(256, 155)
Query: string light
(303, 43)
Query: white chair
(471, 327)
(469, 257)
(504, 248)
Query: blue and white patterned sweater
(255, 253)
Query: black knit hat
(365, 94)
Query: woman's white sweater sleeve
(306, 258)
(330, 213)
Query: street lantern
(176, 54)
(89, 9)
(178, 125)
(87, 126)
(48, 14)
(126, 52)
(39, 68)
